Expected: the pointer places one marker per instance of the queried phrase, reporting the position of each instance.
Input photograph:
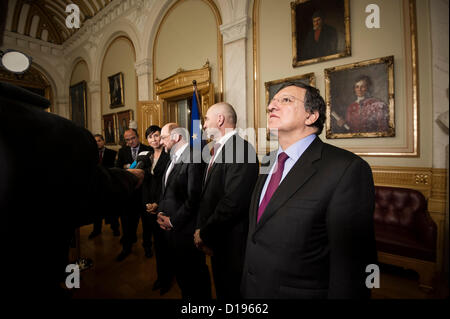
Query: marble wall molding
(235, 30)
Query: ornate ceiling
(46, 19)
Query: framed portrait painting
(272, 87)
(320, 30)
(78, 103)
(360, 99)
(109, 128)
(123, 122)
(116, 91)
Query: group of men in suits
(301, 229)
(204, 208)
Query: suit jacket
(125, 156)
(47, 188)
(109, 158)
(316, 236)
(326, 45)
(180, 196)
(223, 212)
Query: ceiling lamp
(15, 61)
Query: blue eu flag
(196, 131)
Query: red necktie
(273, 184)
(316, 35)
(100, 156)
(211, 161)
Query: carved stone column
(95, 106)
(143, 72)
(235, 67)
(62, 106)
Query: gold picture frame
(78, 103)
(272, 86)
(320, 31)
(123, 122)
(109, 128)
(116, 90)
(360, 99)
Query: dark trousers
(163, 263)
(130, 224)
(191, 271)
(147, 229)
(98, 221)
(226, 279)
(129, 229)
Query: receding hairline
(227, 110)
(170, 126)
(131, 130)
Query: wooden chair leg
(426, 280)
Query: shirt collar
(226, 137)
(296, 150)
(180, 151)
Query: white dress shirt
(294, 152)
(175, 158)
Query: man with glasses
(311, 232)
(177, 212)
(130, 219)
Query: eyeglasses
(285, 100)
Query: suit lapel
(184, 158)
(231, 142)
(300, 173)
(164, 176)
(255, 202)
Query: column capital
(94, 86)
(235, 30)
(143, 67)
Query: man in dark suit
(130, 220)
(222, 224)
(320, 41)
(107, 158)
(311, 232)
(49, 191)
(177, 213)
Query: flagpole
(194, 83)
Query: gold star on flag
(194, 136)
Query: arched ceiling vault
(46, 19)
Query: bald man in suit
(222, 223)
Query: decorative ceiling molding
(51, 17)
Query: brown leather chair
(405, 232)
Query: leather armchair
(405, 232)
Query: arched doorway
(32, 80)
